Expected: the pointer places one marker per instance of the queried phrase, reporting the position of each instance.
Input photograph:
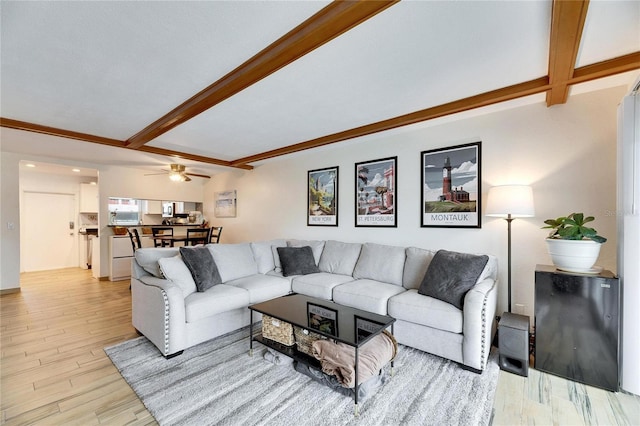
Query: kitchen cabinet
(121, 254)
(153, 207)
(88, 198)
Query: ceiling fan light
(176, 177)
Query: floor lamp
(510, 202)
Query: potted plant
(573, 246)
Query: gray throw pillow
(451, 275)
(297, 261)
(202, 266)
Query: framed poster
(322, 319)
(365, 327)
(376, 193)
(322, 197)
(225, 203)
(451, 187)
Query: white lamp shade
(514, 200)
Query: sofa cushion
(450, 275)
(318, 285)
(368, 295)
(219, 298)
(490, 270)
(339, 258)
(202, 266)
(416, 266)
(233, 260)
(148, 258)
(424, 310)
(381, 263)
(262, 287)
(276, 260)
(297, 261)
(316, 247)
(175, 270)
(263, 254)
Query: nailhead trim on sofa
(166, 322)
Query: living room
(566, 153)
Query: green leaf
(578, 218)
(599, 239)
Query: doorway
(49, 240)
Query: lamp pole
(509, 219)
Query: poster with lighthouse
(451, 187)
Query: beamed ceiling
(218, 84)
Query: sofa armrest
(478, 323)
(158, 312)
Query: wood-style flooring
(54, 370)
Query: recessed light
(75, 170)
(30, 165)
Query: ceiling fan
(178, 173)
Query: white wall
(9, 214)
(566, 152)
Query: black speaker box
(513, 338)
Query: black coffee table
(350, 326)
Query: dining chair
(198, 236)
(135, 239)
(161, 231)
(216, 231)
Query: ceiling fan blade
(187, 178)
(154, 174)
(198, 175)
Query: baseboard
(9, 291)
(103, 279)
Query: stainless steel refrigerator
(628, 217)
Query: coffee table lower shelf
(289, 351)
(298, 356)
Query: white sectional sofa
(171, 313)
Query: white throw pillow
(175, 270)
(233, 260)
(263, 254)
(316, 247)
(148, 258)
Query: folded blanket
(365, 390)
(338, 359)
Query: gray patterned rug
(218, 383)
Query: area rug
(218, 383)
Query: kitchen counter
(193, 225)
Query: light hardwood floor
(54, 370)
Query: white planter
(573, 255)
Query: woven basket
(119, 231)
(305, 339)
(147, 231)
(280, 331)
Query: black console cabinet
(576, 326)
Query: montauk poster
(451, 187)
